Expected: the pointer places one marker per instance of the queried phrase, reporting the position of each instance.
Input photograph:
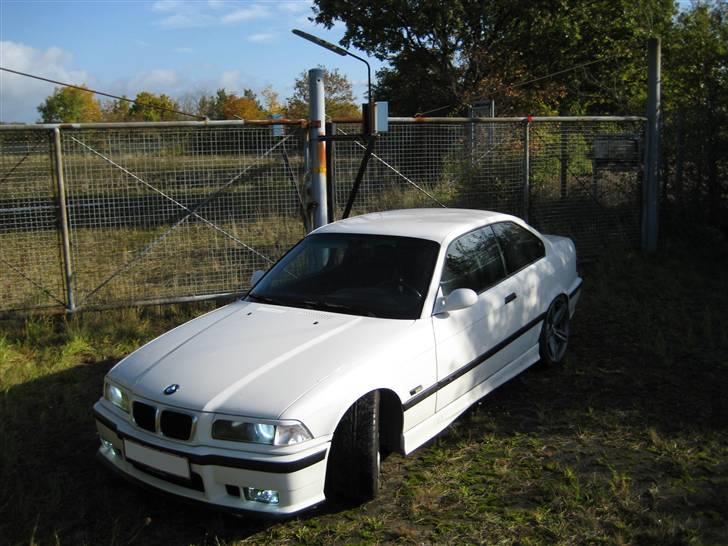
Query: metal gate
(111, 214)
(122, 214)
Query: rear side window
(473, 261)
(520, 246)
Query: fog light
(266, 496)
(108, 446)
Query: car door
(467, 340)
(523, 252)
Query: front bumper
(217, 477)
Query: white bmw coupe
(369, 336)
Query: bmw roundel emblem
(171, 389)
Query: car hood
(252, 359)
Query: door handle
(510, 297)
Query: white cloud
(177, 14)
(160, 80)
(20, 95)
(295, 7)
(186, 20)
(168, 5)
(235, 81)
(262, 37)
(230, 80)
(184, 49)
(255, 11)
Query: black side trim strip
(470, 365)
(575, 290)
(220, 460)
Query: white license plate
(171, 464)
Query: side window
(472, 261)
(520, 246)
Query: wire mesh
(30, 266)
(432, 165)
(584, 177)
(178, 212)
(183, 211)
(585, 181)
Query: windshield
(369, 275)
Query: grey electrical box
(378, 122)
(381, 117)
(278, 130)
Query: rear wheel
(555, 332)
(352, 473)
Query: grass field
(625, 443)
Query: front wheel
(352, 472)
(555, 332)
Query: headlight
(116, 396)
(260, 433)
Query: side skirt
(427, 429)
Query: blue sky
(168, 46)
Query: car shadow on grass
(52, 488)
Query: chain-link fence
(169, 212)
(119, 214)
(579, 177)
(31, 269)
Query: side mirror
(256, 276)
(458, 299)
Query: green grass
(625, 443)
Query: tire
(352, 472)
(555, 332)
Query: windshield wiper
(341, 307)
(266, 299)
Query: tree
(339, 96)
(115, 110)
(272, 101)
(212, 106)
(70, 105)
(151, 107)
(245, 107)
(695, 106)
(448, 54)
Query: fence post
(470, 137)
(526, 168)
(651, 190)
(564, 159)
(65, 238)
(331, 173)
(317, 117)
(491, 133)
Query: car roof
(434, 224)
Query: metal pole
(564, 160)
(359, 176)
(651, 190)
(303, 178)
(491, 134)
(470, 137)
(331, 172)
(65, 238)
(317, 115)
(526, 169)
